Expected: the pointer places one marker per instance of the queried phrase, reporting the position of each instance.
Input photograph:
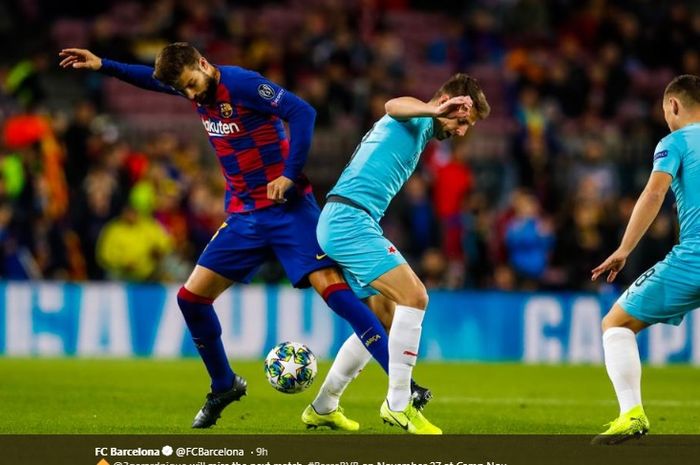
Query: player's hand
(277, 188)
(79, 58)
(456, 107)
(614, 263)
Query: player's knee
(418, 298)
(615, 318)
(324, 278)
(606, 323)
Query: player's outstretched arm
(403, 108)
(645, 210)
(79, 58)
(137, 75)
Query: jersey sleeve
(667, 157)
(137, 75)
(262, 95)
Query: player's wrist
(624, 251)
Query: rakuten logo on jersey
(220, 129)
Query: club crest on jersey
(266, 91)
(225, 109)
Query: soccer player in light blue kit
(349, 232)
(671, 288)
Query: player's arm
(137, 75)
(267, 97)
(645, 210)
(300, 117)
(403, 108)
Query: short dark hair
(686, 87)
(173, 59)
(463, 84)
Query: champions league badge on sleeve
(266, 91)
(661, 154)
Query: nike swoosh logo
(398, 422)
(408, 352)
(321, 257)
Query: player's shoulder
(679, 139)
(410, 126)
(237, 71)
(249, 83)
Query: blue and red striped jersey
(245, 129)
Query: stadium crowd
(533, 198)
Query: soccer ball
(290, 367)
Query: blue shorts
(355, 241)
(285, 231)
(667, 290)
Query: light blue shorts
(666, 291)
(354, 240)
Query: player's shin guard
(623, 366)
(205, 328)
(350, 360)
(364, 322)
(404, 339)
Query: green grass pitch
(147, 396)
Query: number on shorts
(644, 277)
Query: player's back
(383, 161)
(679, 154)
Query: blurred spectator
(131, 247)
(77, 140)
(453, 183)
(433, 268)
(529, 238)
(418, 217)
(583, 244)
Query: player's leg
(401, 285)
(330, 284)
(384, 309)
(233, 255)
(622, 356)
(196, 300)
(350, 361)
(325, 410)
(355, 241)
(663, 294)
(624, 369)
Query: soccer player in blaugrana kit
(271, 208)
(349, 232)
(671, 288)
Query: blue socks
(366, 325)
(206, 333)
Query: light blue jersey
(671, 288)
(383, 162)
(678, 154)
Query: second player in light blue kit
(349, 232)
(671, 288)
